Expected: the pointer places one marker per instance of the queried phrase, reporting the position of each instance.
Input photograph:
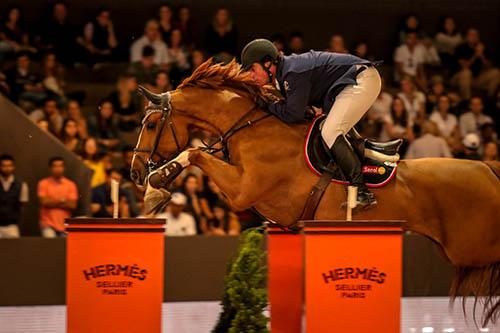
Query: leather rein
(165, 108)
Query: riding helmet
(259, 50)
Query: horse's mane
(218, 76)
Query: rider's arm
(293, 108)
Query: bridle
(165, 108)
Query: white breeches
(351, 104)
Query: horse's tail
(484, 284)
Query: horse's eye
(151, 126)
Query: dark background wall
(374, 21)
(32, 149)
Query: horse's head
(164, 135)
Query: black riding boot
(351, 167)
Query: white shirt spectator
(182, 225)
(414, 105)
(381, 108)
(431, 56)
(470, 123)
(445, 125)
(397, 129)
(428, 145)
(161, 56)
(409, 60)
(446, 43)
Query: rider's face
(259, 75)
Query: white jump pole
(352, 193)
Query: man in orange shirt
(58, 198)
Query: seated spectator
(151, 37)
(185, 24)
(145, 69)
(488, 133)
(162, 83)
(471, 144)
(179, 54)
(14, 195)
(361, 50)
(279, 41)
(447, 123)
(430, 53)
(296, 43)
(197, 58)
(221, 35)
(413, 99)
(70, 137)
(95, 161)
(102, 206)
(436, 91)
(212, 192)
(410, 25)
(409, 60)
(104, 126)
(52, 75)
(127, 157)
(197, 205)
(446, 40)
(74, 112)
(98, 39)
(381, 108)
(13, 36)
(58, 198)
(59, 35)
(179, 223)
(471, 121)
(43, 124)
(429, 144)
(24, 82)
(126, 103)
(337, 44)
(475, 68)
(51, 113)
(165, 21)
(490, 151)
(397, 125)
(224, 221)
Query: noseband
(165, 108)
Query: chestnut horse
(454, 202)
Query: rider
(344, 85)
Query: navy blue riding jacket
(312, 79)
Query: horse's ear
(150, 96)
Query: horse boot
(351, 167)
(165, 175)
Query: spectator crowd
(440, 94)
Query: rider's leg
(350, 105)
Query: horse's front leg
(228, 178)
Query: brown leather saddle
(379, 163)
(379, 159)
